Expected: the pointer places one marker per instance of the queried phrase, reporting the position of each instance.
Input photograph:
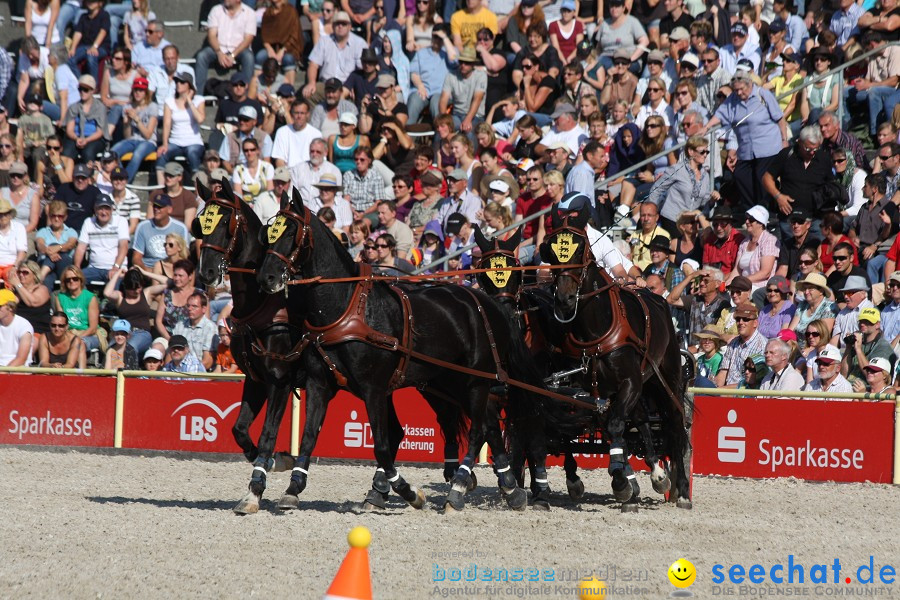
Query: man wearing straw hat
(709, 342)
(16, 333)
(465, 89)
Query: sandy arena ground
(84, 525)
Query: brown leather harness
(620, 334)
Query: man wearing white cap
(830, 379)
(308, 173)
(565, 129)
(558, 157)
(232, 152)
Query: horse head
(567, 244)
(497, 254)
(221, 227)
(289, 241)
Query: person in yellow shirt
(789, 79)
(465, 24)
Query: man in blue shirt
(582, 176)
(427, 71)
(150, 236)
(182, 359)
(753, 114)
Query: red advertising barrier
(171, 414)
(347, 434)
(816, 440)
(38, 409)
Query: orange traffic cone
(353, 580)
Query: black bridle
(235, 221)
(510, 260)
(303, 239)
(578, 272)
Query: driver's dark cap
(573, 202)
(162, 200)
(454, 223)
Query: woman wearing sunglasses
(81, 306)
(687, 187)
(34, 298)
(61, 348)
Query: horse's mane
(322, 233)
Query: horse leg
(377, 496)
(253, 397)
(383, 419)
(618, 455)
(659, 478)
(679, 446)
(264, 461)
(574, 485)
(516, 498)
(449, 418)
(317, 398)
(459, 483)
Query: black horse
(374, 337)
(627, 339)
(264, 344)
(270, 349)
(530, 309)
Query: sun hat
(740, 284)
(487, 184)
(746, 310)
(6, 207)
(710, 332)
(282, 174)
(816, 280)
(855, 283)
(780, 282)
(327, 181)
(348, 118)
(140, 83)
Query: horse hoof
(684, 503)
(661, 486)
(456, 501)
(623, 495)
(419, 502)
(249, 505)
(517, 499)
(289, 502)
(630, 507)
(375, 500)
(575, 488)
(542, 505)
(283, 462)
(471, 482)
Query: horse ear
(196, 229)
(546, 254)
(482, 241)
(513, 242)
(226, 190)
(284, 201)
(580, 218)
(296, 200)
(204, 192)
(555, 220)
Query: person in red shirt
(833, 232)
(720, 246)
(533, 199)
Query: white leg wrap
(451, 460)
(503, 470)
(632, 476)
(466, 468)
(260, 469)
(540, 481)
(394, 478)
(613, 451)
(304, 471)
(379, 469)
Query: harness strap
(406, 342)
(501, 372)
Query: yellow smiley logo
(682, 573)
